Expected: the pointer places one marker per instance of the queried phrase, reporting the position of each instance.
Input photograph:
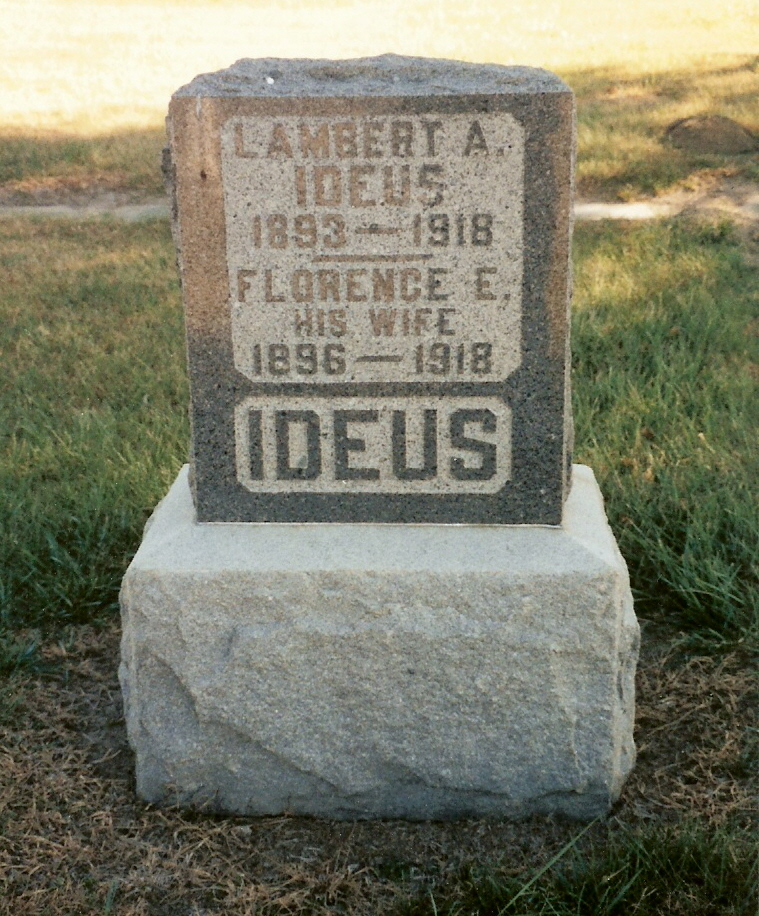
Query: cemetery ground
(94, 428)
(94, 402)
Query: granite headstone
(375, 261)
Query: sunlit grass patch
(30, 163)
(665, 349)
(623, 149)
(93, 409)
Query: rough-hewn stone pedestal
(419, 671)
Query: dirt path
(735, 200)
(150, 208)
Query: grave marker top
(375, 269)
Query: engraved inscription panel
(374, 258)
(374, 249)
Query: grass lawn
(93, 427)
(94, 409)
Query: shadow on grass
(622, 153)
(126, 160)
(622, 120)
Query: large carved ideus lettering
(390, 445)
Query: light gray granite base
(354, 671)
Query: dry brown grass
(696, 733)
(75, 840)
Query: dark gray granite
(374, 258)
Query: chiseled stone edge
(386, 74)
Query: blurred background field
(98, 66)
(84, 84)
(93, 427)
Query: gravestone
(374, 263)
(415, 606)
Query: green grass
(94, 423)
(648, 872)
(93, 409)
(17, 653)
(666, 360)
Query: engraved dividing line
(358, 258)
(374, 229)
(379, 359)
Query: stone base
(353, 671)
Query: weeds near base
(649, 872)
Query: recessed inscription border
(387, 445)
